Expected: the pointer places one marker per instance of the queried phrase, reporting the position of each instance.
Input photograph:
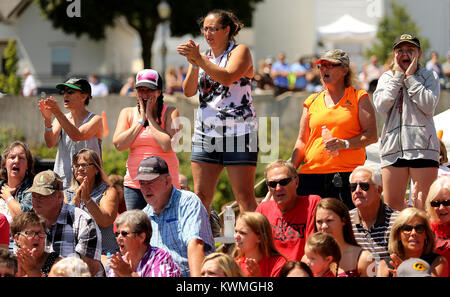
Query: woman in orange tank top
(146, 129)
(327, 160)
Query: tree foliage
(142, 15)
(390, 27)
(10, 82)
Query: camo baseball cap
(336, 56)
(46, 183)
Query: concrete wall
(23, 113)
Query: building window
(61, 57)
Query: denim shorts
(226, 151)
(133, 198)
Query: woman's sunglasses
(123, 233)
(68, 91)
(283, 182)
(420, 229)
(364, 186)
(438, 203)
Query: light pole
(164, 13)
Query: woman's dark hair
(226, 18)
(341, 210)
(290, 265)
(29, 155)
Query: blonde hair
(259, 224)
(226, 263)
(395, 245)
(70, 267)
(440, 184)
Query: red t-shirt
(269, 266)
(4, 230)
(292, 229)
(442, 233)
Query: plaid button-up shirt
(75, 231)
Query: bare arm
(104, 213)
(126, 132)
(195, 256)
(299, 149)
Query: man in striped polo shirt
(372, 220)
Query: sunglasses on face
(420, 229)
(283, 182)
(364, 186)
(329, 65)
(68, 91)
(123, 233)
(438, 203)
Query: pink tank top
(145, 145)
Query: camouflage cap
(46, 183)
(336, 56)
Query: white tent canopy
(347, 28)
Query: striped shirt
(184, 218)
(156, 262)
(375, 239)
(75, 232)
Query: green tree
(390, 27)
(142, 15)
(10, 82)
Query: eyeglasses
(68, 91)
(438, 203)
(83, 165)
(123, 233)
(210, 29)
(420, 229)
(31, 234)
(328, 65)
(283, 182)
(364, 186)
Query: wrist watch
(347, 144)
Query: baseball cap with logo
(45, 183)
(336, 56)
(413, 267)
(75, 83)
(406, 38)
(149, 78)
(151, 167)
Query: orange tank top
(342, 120)
(146, 145)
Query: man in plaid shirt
(70, 230)
(179, 220)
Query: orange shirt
(343, 122)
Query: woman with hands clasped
(137, 257)
(92, 192)
(255, 252)
(28, 231)
(72, 131)
(412, 237)
(225, 132)
(147, 130)
(407, 95)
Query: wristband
(71, 203)
(9, 199)
(87, 202)
(347, 144)
(141, 122)
(195, 67)
(48, 129)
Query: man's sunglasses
(283, 182)
(438, 203)
(364, 186)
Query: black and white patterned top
(224, 111)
